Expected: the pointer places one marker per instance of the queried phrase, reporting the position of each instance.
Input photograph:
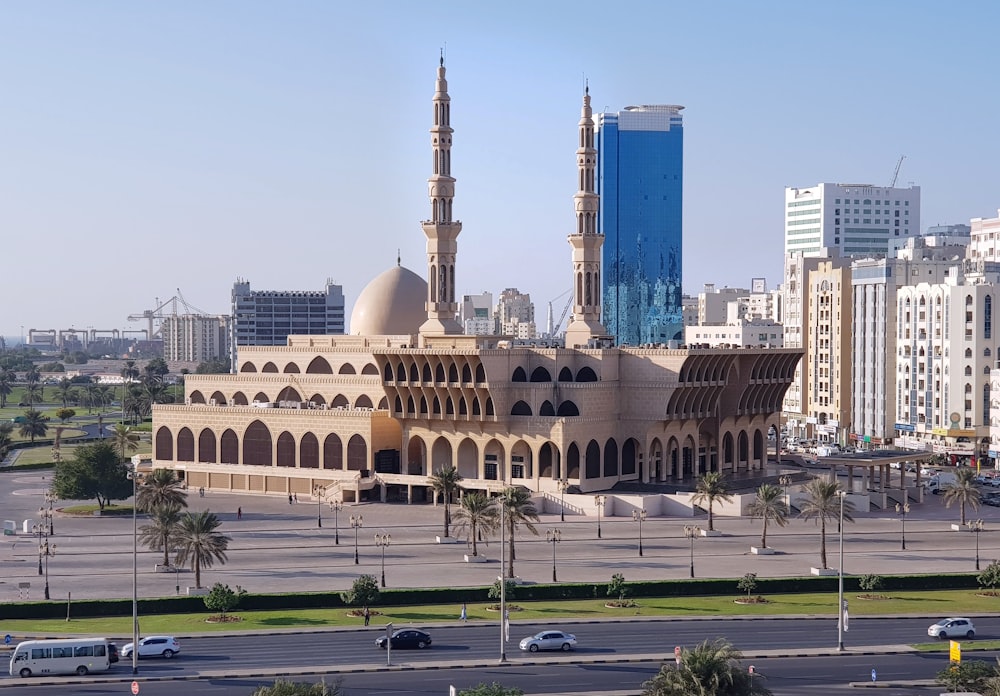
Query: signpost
(955, 651)
(874, 675)
(677, 655)
(135, 688)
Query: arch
(206, 446)
(219, 398)
(286, 449)
(347, 369)
(453, 373)
(611, 457)
(727, 451)
(466, 374)
(540, 374)
(468, 459)
(357, 454)
(441, 455)
(261, 397)
(309, 452)
(546, 409)
(164, 444)
(742, 448)
(436, 406)
(319, 366)
(449, 407)
(248, 367)
(363, 402)
(493, 461)
(257, 445)
(317, 399)
(425, 374)
(185, 445)
(240, 399)
(476, 410)
(411, 407)
(489, 407)
(758, 447)
(548, 462)
(593, 460)
(480, 373)
(521, 465)
(398, 406)
(565, 375)
(629, 459)
(416, 457)
(229, 451)
(519, 375)
(291, 369)
(414, 373)
(197, 397)
(289, 393)
(369, 369)
(586, 374)
(573, 461)
(269, 367)
(463, 408)
(423, 404)
(520, 409)
(333, 452)
(568, 408)
(383, 404)
(655, 470)
(400, 373)
(439, 374)
(340, 401)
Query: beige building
(828, 357)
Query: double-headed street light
(318, 492)
(692, 532)
(841, 603)
(599, 501)
(785, 482)
(640, 517)
(553, 536)
(356, 523)
(39, 529)
(563, 487)
(46, 549)
(48, 508)
(382, 540)
(974, 526)
(133, 473)
(336, 506)
(901, 510)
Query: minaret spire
(441, 229)
(586, 241)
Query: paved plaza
(277, 547)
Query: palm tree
(161, 488)
(446, 483)
(6, 386)
(125, 439)
(199, 543)
(517, 509)
(823, 503)
(6, 429)
(477, 517)
(710, 488)
(64, 390)
(963, 491)
(33, 393)
(164, 523)
(34, 424)
(770, 506)
(31, 378)
(708, 669)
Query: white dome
(390, 305)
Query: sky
(151, 147)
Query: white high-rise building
(477, 314)
(196, 338)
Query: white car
(952, 628)
(154, 646)
(549, 640)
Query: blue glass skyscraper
(640, 156)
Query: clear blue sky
(146, 147)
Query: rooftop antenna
(895, 174)
(399, 260)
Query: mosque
(368, 416)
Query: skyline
(147, 144)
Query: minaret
(586, 242)
(441, 229)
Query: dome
(390, 305)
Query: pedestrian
(289, 498)
(368, 615)
(239, 513)
(296, 497)
(465, 613)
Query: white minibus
(68, 656)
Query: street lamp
(318, 495)
(133, 474)
(841, 604)
(975, 526)
(336, 506)
(563, 487)
(599, 501)
(640, 517)
(553, 536)
(692, 532)
(785, 482)
(382, 540)
(901, 510)
(46, 512)
(39, 529)
(356, 523)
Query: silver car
(549, 640)
(952, 628)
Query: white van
(70, 656)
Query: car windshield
(943, 622)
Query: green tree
(164, 525)
(711, 668)
(222, 598)
(770, 506)
(516, 510)
(748, 583)
(967, 676)
(33, 394)
(94, 473)
(364, 591)
(200, 543)
(494, 689)
(157, 367)
(64, 414)
(711, 488)
(213, 367)
(509, 589)
(823, 503)
(125, 440)
(870, 582)
(161, 487)
(617, 587)
(446, 483)
(990, 577)
(477, 517)
(34, 425)
(6, 439)
(6, 386)
(64, 391)
(283, 687)
(963, 490)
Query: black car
(112, 653)
(406, 638)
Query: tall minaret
(442, 230)
(586, 242)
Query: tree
(446, 483)
(34, 425)
(6, 386)
(212, 367)
(199, 543)
(708, 669)
(509, 588)
(159, 488)
(64, 391)
(617, 587)
(364, 591)
(963, 490)
(94, 473)
(990, 577)
(282, 687)
(6, 430)
(494, 689)
(870, 582)
(125, 440)
(477, 517)
(747, 583)
(968, 676)
(157, 367)
(164, 525)
(711, 488)
(770, 506)
(823, 503)
(64, 414)
(33, 394)
(516, 510)
(222, 599)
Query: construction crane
(188, 308)
(554, 326)
(152, 314)
(895, 174)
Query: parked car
(154, 646)
(991, 500)
(112, 653)
(549, 640)
(952, 628)
(406, 638)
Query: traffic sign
(135, 687)
(7, 639)
(677, 655)
(751, 669)
(874, 675)
(955, 651)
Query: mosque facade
(372, 414)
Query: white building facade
(196, 338)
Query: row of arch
(318, 366)
(288, 394)
(452, 375)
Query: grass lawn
(943, 603)
(43, 454)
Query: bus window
(84, 651)
(40, 653)
(62, 652)
(99, 650)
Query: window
(85, 651)
(40, 653)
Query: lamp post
(599, 501)
(318, 494)
(336, 506)
(39, 529)
(692, 532)
(134, 475)
(785, 482)
(47, 515)
(640, 517)
(975, 526)
(177, 578)
(840, 578)
(47, 550)
(382, 540)
(901, 510)
(356, 523)
(563, 486)
(553, 536)
(503, 588)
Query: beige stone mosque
(368, 416)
